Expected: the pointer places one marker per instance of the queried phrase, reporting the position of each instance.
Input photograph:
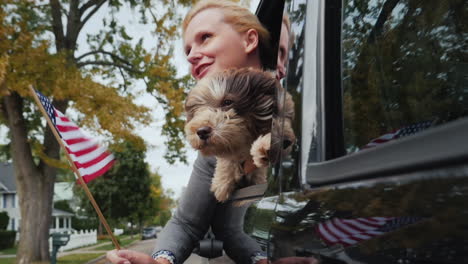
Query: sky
(174, 176)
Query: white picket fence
(78, 239)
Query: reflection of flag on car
(90, 159)
(348, 232)
(399, 133)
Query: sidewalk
(85, 250)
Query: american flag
(348, 232)
(90, 159)
(399, 133)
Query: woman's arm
(193, 216)
(228, 226)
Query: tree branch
(112, 55)
(97, 4)
(387, 9)
(108, 63)
(122, 73)
(87, 5)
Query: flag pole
(75, 170)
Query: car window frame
(332, 165)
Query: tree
(129, 191)
(400, 64)
(161, 202)
(29, 55)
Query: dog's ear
(189, 107)
(254, 91)
(255, 96)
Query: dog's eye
(227, 102)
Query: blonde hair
(240, 18)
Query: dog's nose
(204, 132)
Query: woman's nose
(194, 57)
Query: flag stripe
(83, 151)
(349, 232)
(96, 167)
(92, 162)
(325, 234)
(76, 141)
(90, 156)
(82, 146)
(66, 128)
(399, 133)
(87, 178)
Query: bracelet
(165, 254)
(257, 256)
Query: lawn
(7, 260)
(8, 251)
(75, 258)
(69, 259)
(78, 258)
(123, 243)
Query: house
(8, 198)
(9, 201)
(63, 191)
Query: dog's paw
(260, 150)
(221, 191)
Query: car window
(365, 73)
(404, 68)
(288, 170)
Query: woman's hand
(130, 257)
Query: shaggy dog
(229, 115)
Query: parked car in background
(149, 233)
(379, 173)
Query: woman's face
(282, 53)
(211, 45)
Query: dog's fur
(226, 114)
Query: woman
(217, 35)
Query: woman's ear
(250, 40)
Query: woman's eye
(205, 36)
(227, 102)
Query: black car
(379, 172)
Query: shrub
(84, 223)
(7, 239)
(4, 220)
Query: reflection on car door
(380, 170)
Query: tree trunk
(34, 185)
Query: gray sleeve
(193, 215)
(228, 226)
(197, 210)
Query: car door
(379, 173)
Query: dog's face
(226, 112)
